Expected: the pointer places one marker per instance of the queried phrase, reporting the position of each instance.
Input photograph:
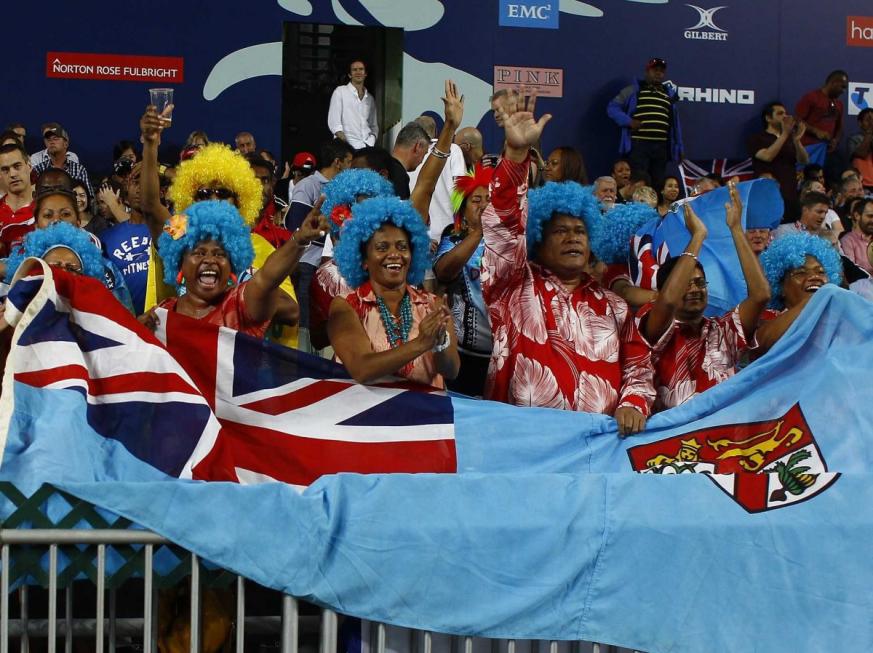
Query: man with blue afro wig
(560, 339)
(796, 266)
(206, 249)
(343, 191)
(81, 255)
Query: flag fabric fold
(740, 520)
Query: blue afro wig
(367, 217)
(790, 252)
(211, 220)
(566, 197)
(610, 241)
(345, 188)
(63, 234)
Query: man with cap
(646, 112)
(57, 143)
(303, 165)
(42, 155)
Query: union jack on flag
(692, 171)
(206, 402)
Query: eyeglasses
(805, 273)
(69, 267)
(219, 193)
(698, 282)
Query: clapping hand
(435, 325)
(693, 223)
(734, 210)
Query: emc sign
(522, 13)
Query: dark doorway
(315, 60)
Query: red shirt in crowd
(817, 109)
(327, 283)
(686, 363)
(267, 228)
(14, 225)
(552, 347)
(231, 312)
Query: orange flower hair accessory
(177, 226)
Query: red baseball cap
(303, 161)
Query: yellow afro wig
(217, 164)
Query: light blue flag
(762, 209)
(547, 532)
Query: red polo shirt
(14, 225)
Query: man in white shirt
(352, 113)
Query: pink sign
(548, 82)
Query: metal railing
(107, 628)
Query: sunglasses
(698, 282)
(69, 267)
(220, 193)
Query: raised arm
(758, 289)
(656, 322)
(262, 291)
(433, 166)
(503, 221)
(155, 213)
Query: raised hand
(453, 104)
(788, 123)
(799, 129)
(521, 128)
(693, 223)
(151, 125)
(734, 210)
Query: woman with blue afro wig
(60, 245)
(387, 326)
(343, 191)
(205, 250)
(796, 265)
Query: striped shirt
(654, 112)
(73, 168)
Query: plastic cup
(162, 98)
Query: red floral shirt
(687, 364)
(553, 348)
(231, 312)
(363, 301)
(327, 283)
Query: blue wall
(776, 48)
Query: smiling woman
(205, 249)
(387, 326)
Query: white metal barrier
(107, 628)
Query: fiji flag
(738, 521)
(762, 209)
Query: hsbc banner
(524, 13)
(115, 67)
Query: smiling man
(690, 352)
(560, 340)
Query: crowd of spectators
(504, 276)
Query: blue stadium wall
(729, 61)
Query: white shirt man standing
(352, 113)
